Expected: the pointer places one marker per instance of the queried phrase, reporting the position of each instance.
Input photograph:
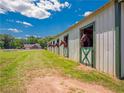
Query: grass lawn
(15, 64)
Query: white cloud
(87, 13)
(39, 10)
(76, 22)
(27, 35)
(20, 22)
(14, 30)
(37, 36)
(24, 23)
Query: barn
(32, 46)
(96, 41)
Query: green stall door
(65, 51)
(86, 56)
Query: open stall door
(87, 45)
(65, 49)
(58, 50)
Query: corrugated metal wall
(61, 47)
(105, 41)
(74, 44)
(122, 41)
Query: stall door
(65, 49)
(86, 56)
(87, 49)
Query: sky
(41, 18)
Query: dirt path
(57, 84)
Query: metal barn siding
(74, 44)
(122, 40)
(61, 47)
(105, 40)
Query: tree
(6, 40)
(43, 41)
(32, 40)
(17, 44)
(1, 42)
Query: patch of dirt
(41, 72)
(85, 68)
(58, 84)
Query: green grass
(15, 64)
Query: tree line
(11, 42)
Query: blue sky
(40, 18)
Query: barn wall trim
(118, 38)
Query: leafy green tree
(1, 44)
(17, 44)
(32, 40)
(6, 40)
(43, 41)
